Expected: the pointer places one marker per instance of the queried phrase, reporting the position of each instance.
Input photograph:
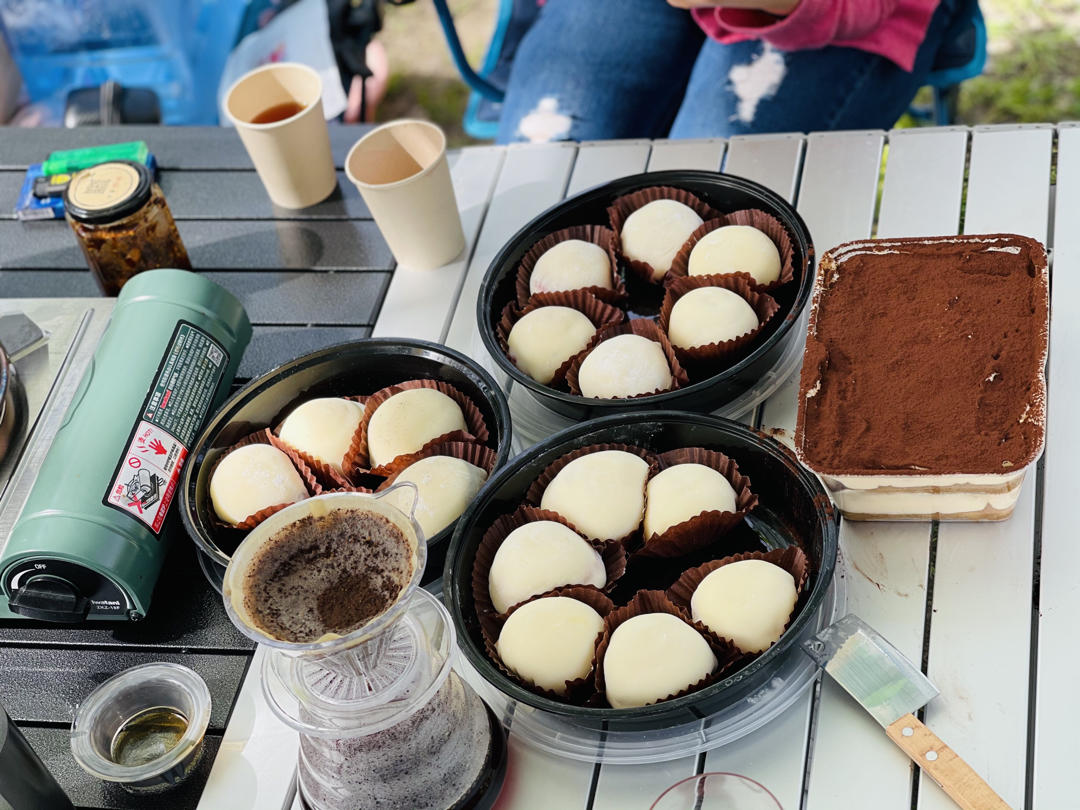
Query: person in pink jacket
(596, 69)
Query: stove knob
(50, 599)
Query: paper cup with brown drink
(278, 113)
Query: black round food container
(725, 193)
(793, 508)
(361, 367)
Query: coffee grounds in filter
(327, 574)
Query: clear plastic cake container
(957, 496)
(979, 497)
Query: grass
(1033, 73)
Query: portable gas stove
(49, 342)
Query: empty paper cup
(402, 174)
(278, 113)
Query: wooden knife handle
(940, 763)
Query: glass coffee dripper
(383, 720)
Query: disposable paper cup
(292, 156)
(402, 174)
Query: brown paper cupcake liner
(764, 306)
(598, 235)
(478, 455)
(792, 559)
(601, 314)
(326, 475)
(766, 223)
(613, 554)
(644, 328)
(263, 436)
(356, 460)
(579, 690)
(624, 206)
(706, 527)
(727, 655)
(350, 488)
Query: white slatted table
(965, 600)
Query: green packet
(71, 160)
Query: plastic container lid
(549, 733)
(108, 192)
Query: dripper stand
(382, 718)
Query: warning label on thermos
(177, 404)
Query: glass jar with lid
(122, 223)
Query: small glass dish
(143, 728)
(717, 791)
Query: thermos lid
(108, 192)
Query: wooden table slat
(272, 297)
(768, 159)
(924, 180)
(601, 161)
(1057, 698)
(704, 153)
(194, 148)
(1009, 180)
(257, 761)
(216, 245)
(774, 755)
(983, 572)
(636, 787)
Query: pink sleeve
(813, 23)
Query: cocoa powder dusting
(926, 357)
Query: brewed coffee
(279, 112)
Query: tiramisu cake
(923, 392)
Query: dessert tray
(730, 384)
(347, 370)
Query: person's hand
(778, 7)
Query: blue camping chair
(962, 57)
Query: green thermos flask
(90, 540)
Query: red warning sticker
(146, 481)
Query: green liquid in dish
(149, 735)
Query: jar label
(103, 186)
(175, 408)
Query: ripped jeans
(598, 69)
